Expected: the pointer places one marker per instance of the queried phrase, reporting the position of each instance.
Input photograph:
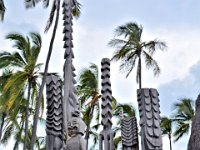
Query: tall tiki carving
(129, 133)
(148, 101)
(54, 125)
(71, 112)
(106, 136)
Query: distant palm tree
(88, 92)
(24, 61)
(2, 10)
(131, 49)
(183, 116)
(166, 127)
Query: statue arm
(82, 143)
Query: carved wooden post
(54, 122)
(68, 67)
(71, 112)
(129, 133)
(148, 101)
(106, 136)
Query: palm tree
(55, 8)
(131, 49)
(25, 62)
(183, 116)
(166, 127)
(2, 10)
(88, 92)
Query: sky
(174, 21)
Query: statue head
(76, 126)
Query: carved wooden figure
(71, 112)
(148, 101)
(129, 133)
(54, 123)
(106, 136)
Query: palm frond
(166, 125)
(51, 16)
(76, 9)
(7, 134)
(33, 3)
(36, 39)
(152, 46)
(130, 30)
(11, 60)
(151, 63)
(181, 130)
(183, 116)
(117, 142)
(21, 43)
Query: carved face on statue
(72, 131)
(76, 124)
(76, 141)
(73, 127)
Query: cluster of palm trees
(19, 87)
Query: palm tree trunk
(36, 116)
(170, 141)
(4, 114)
(140, 73)
(27, 115)
(87, 133)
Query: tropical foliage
(183, 116)
(21, 82)
(130, 49)
(166, 127)
(88, 91)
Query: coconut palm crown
(183, 116)
(131, 49)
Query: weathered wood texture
(194, 141)
(54, 122)
(106, 136)
(148, 103)
(129, 133)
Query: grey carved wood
(74, 126)
(54, 123)
(129, 133)
(194, 141)
(148, 102)
(106, 136)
